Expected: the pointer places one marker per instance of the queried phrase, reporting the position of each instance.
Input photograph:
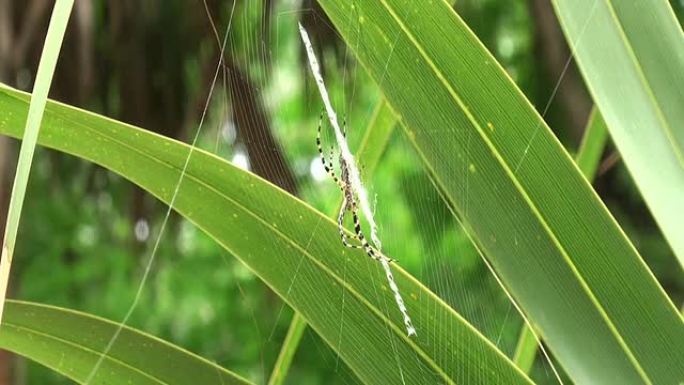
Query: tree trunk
(554, 53)
(265, 155)
(6, 37)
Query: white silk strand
(354, 178)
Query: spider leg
(318, 143)
(359, 234)
(340, 225)
(328, 167)
(344, 126)
(330, 157)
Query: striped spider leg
(350, 205)
(349, 200)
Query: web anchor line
(349, 181)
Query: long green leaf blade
(288, 350)
(376, 137)
(70, 342)
(587, 159)
(593, 143)
(378, 132)
(548, 236)
(525, 350)
(631, 54)
(293, 248)
(46, 68)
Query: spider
(348, 200)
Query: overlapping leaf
(544, 230)
(631, 54)
(296, 250)
(70, 343)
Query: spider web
(415, 225)
(440, 253)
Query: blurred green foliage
(78, 246)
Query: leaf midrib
(645, 83)
(519, 187)
(324, 268)
(83, 348)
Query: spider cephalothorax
(349, 202)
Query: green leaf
(376, 138)
(288, 350)
(542, 227)
(587, 159)
(378, 133)
(340, 292)
(70, 342)
(525, 350)
(631, 54)
(593, 142)
(46, 68)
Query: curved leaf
(538, 221)
(70, 343)
(631, 54)
(288, 350)
(378, 131)
(341, 293)
(587, 159)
